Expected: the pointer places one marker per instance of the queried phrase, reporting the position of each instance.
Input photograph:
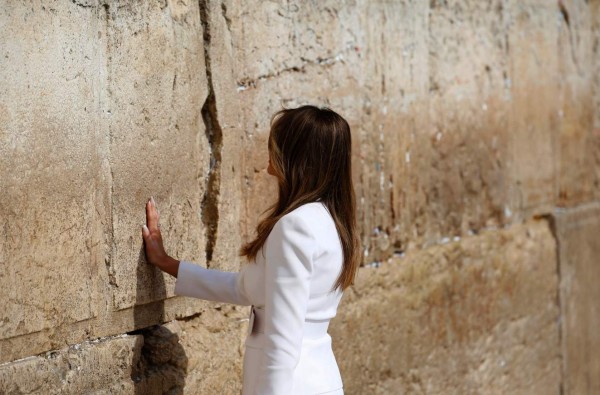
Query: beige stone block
(272, 38)
(51, 174)
(107, 323)
(461, 155)
(534, 89)
(390, 116)
(74, 244)
(156, 87)
(214, 344)
(579, 142)
(333, 56)
(578, 231)
(201, 354)
(79, 369)
(478, 315)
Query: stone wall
(476, 154)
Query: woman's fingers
(151, 215)
(145, 231)
(153, 244)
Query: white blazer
(287, 350)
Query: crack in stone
(564, 12)
(327, 61)
(227, 19)
(214, 136)
(565, 15)
(551, 220)
(189, 317)
(110, 253)
(84, 4)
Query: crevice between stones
(105, 8)
(565, 15)
(551, 219)
(189, 317)
(214, 135)
(227, 19)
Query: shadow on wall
(159, 365)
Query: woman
(304, 256)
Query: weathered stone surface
(202, 354)
(477, 315)
(134, 82)
(579, 142)
(214, 344)
(50, 168)
(455, 108)
(460, 156)
(156, 85)
(75, 370)
(533, 89)
(578, 231)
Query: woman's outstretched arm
(192, 280)
(210, 284)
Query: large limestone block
(51, 173)
(80, 369)
(460, 157)
(579, 143)
(389, 114)
(271, 38)
(578, 231)
(477, 315)
(201, 354)
(214, 345)
(113, 115)
(534, 89)
(156, 86)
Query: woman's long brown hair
(310, 149)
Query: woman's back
(327, 264)
(314, 367)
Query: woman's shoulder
(308, 216)
(307, 209)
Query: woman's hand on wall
(155, 251)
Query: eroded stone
(475, 315)
(577, 231)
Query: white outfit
(287, 350)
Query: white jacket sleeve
(288, 268)
(210, 284)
